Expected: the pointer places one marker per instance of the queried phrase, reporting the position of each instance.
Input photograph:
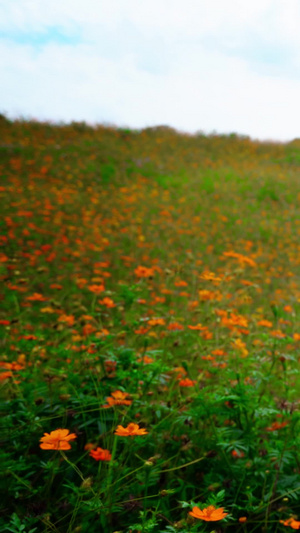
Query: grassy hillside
(150, 313)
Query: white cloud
(193, 64)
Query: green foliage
(107, 172)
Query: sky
(196, 65)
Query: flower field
(150, 335)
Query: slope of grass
(149, 278)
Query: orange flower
(144, 272)
(88, 329)
(265, 323)
(81, 282)
(108, 302)
(96, 289)
(5, 375)
(102, 333)
(193, 304)
(36, 297)
(89, 446)
(146, 360)
(130, 431)
(87, 317)
(198, 327)
(237, 453)
(241, 346)
(243, 259)
(57, 440)
(218, 352)
(181, 371)
(235, 320)
(110, 366)
(277, 333)
(209, 514)
(117, 398)
(11, 366)
(187, 382)
(175, 326)
(208, 358)
(243, 519)
(156, 322)
(294, 524)
(210, 276)
(206, 296)
(206, 334)
(141, 331)
(103, 264)
(100, 455)
(67, 319)
(180, 283)
(276, 425)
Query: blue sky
(206, 65)
(38, 39)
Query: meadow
(149, 331)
